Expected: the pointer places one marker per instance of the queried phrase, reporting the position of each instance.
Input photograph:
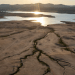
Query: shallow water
(43, 20)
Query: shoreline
(26, 15)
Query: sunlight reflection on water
(36, 12)
(43, 20)
(40, 19)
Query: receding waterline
(43, 20)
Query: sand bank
(26, 15)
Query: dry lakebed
(27, 48)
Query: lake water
(43, 20)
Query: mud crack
(21, 63)
(14, 55)
(63, 43)
(41, 52)
(12, 34)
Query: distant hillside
(43, 7)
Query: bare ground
(28, 48)
(25, 15)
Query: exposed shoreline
(27, 48)
(26, 15)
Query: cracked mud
(28, 48)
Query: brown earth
(27, 48)
(26, 15)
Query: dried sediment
(26, 15)
(31, 49)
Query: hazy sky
(67, 2)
